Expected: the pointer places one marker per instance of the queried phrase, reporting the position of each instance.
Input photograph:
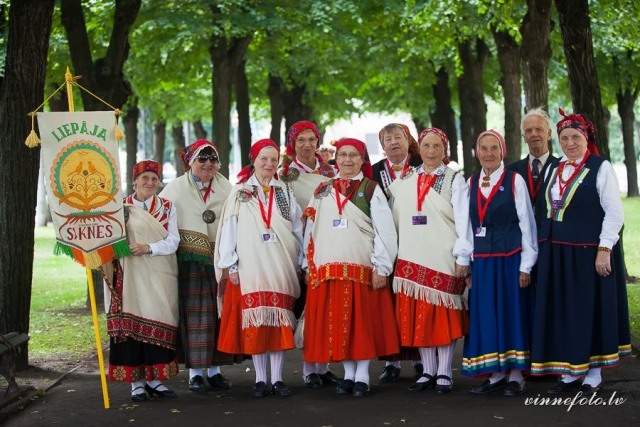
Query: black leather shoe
(139, 397)
(313, 381)
(260, 389)
(280, 389)
(196, 385)
(345, 387)
(588, 389)
(218, 382)
(486, 387)
(419, 369)
(328, 378)
(360, 389)
(514, 389)
(424, 385)
(561, 387)
(389, 375)
(443, 388)
(167, 393)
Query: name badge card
(481, 232)
(340, 223)
(419, 219)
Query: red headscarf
(443, 137)
(192, 151)
(147, 166)
(256, 148)
(498, 136)
(582, 125)
(367, 170)
(296, 129)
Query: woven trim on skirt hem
(567, 368)
(496, 362)
(129, 374)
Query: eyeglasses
(203, 159)
(350, 156)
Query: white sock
(277, 362)
(135, 385)
(195, 371)
(395, 363)
(213, 370)
(349, 369)
(260, 365)
(157, 385)
(308, 369)
(322, 368)
(362, 371)
(445, 356)
(566, 378)
(516, 375)
(429, 361)
(593, 377)
(496, 376)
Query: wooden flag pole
(92, 294)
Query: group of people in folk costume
(396, 260)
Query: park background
(235, 71)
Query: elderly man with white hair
(536, 128)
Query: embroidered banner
(80, 157)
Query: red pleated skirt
(422, 324)
(347, 320)
(254, 340)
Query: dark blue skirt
(581, 320)
(499, 313)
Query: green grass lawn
(61, 326)
(60, 323)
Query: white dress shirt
(169, 244)
(526, 220)
(543, 160)
(609, 195)
(462, 248)
(228, 237)
(385, 240)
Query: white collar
(140, 204)
(359, 176)
(273, 183)
(495, 174)
(302, 167)
(440, 170)
(543, 158)
(401, 163)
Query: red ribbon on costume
(483, 208)
(562, 184)
(208, 191)
(339, 203)
(425, 182)
(266, 217)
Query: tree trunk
(509, 59)
(177, 134)
(159, 139)
(443, 116)
(626, 100)
(473, 109)
(536, 53)
(295, 106)
(242, 107)
(199, 130)
(583, 75)
(131, 137)
(21, 90)
(275, 93)
(104, 76)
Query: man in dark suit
(401, 152)
(536, 128)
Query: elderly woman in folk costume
(303, 171)
(258, 255)
(401, 154)
(351, 244)
(141, 291)
(505, 248)
(431, 211)
(198, 196)
(581, 319)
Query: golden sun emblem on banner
(84, 176)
